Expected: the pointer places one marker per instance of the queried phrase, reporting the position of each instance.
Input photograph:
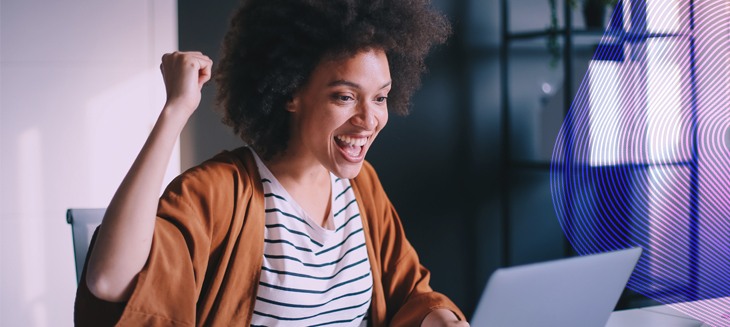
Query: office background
(80, 89)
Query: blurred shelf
(527, 35)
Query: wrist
(175, 115)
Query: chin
(348, 171)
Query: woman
(294, 229)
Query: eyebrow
(340, 82)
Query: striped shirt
(312, 275)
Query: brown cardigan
(207, 252)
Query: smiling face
(338, 113)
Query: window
(629, 167)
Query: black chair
(83, 224)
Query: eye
(381, 99)
(342, 98)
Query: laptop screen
(579, 291)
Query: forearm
(125, 235)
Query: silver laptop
(579, 291)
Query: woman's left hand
(443, 318)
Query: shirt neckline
(276, 186)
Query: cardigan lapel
(377, 305)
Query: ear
(292, 105)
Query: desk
(659, 316)
(666, 316)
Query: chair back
(83, 224)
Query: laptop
(579, 291)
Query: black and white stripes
(312, 275)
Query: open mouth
(353, 148)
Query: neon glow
(642, 157)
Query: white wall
(79, 91)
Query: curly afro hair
(272, 47)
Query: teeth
(360, 141)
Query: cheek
(383, 119)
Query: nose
(366, 116)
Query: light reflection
(668, 221)
(663, 105)
(32, 230)
(663, 16)
(604, 95)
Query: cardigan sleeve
(185, 240)
(405, 282)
